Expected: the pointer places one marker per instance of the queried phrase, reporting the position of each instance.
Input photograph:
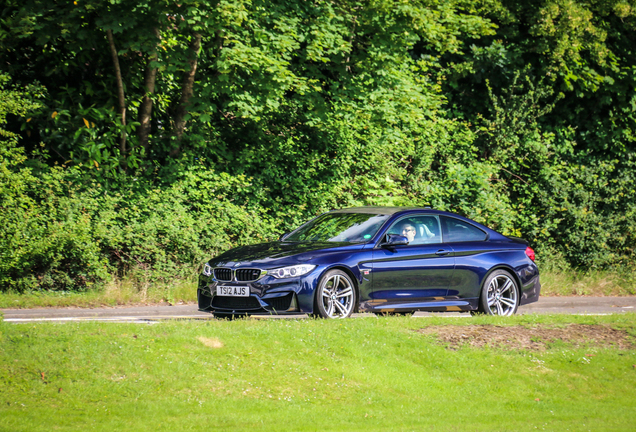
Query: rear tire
(499, 295)
(336, 296)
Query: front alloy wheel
(336, 295)
(500, 294)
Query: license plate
(233, 291)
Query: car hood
(277, 252)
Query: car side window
(418, 229)
(456, 230)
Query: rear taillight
(530, 253)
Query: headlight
(207, 270)
(293, 271)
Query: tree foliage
(148, 126)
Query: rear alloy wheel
(500, 294)
(336, 295)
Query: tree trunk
(120, 92)
(186, 91)
(145, 109)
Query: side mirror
(395, 240)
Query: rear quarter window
(459, 231)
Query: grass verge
(591, 283)
(126, 292)
(384, 373)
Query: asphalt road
(151, 314)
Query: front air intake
(281, 304)
(235, 303)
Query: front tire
(336, 295)
(499, 295)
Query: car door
(413, 276)
(470, 246)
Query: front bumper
(279, 303)
(267, 295)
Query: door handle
(442, 252)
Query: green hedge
(64, 231)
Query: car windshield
(339, 227)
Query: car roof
(378, 210)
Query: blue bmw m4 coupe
(374, 259)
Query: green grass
(357, 374)
(115, 293)
(591, 283)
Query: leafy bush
(58, 235)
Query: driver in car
(408, 231)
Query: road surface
(151, 314)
